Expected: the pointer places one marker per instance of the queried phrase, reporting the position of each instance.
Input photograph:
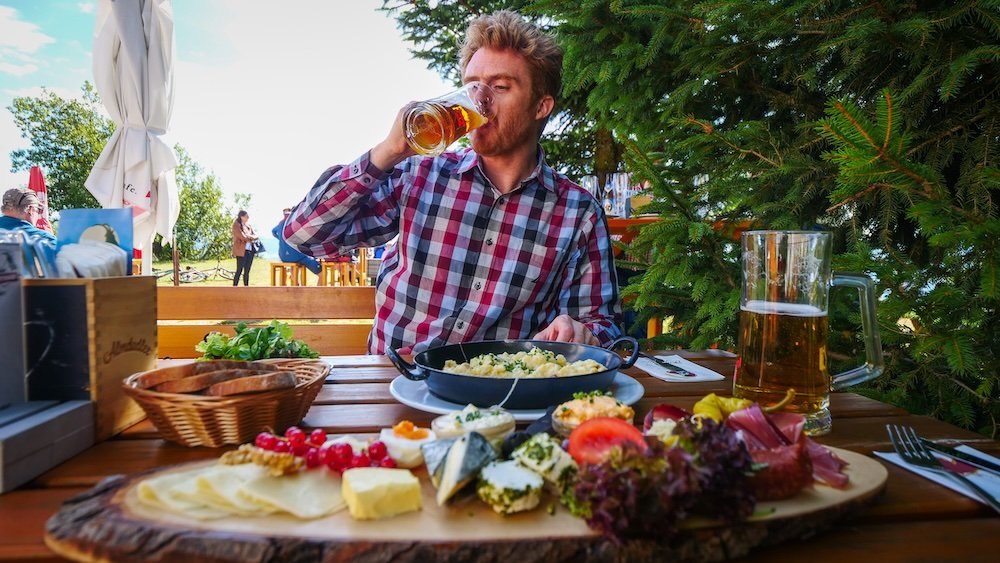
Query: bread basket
(200, 420)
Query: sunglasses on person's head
(26, 196)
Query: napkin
(700, 373)
(990, 482)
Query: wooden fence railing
(186, 314)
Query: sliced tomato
(591, 441)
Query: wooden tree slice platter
(108, 523)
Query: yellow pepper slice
(718, 408)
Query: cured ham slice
(788, 470)
(827, 468)
(778, 431)
(759, 431)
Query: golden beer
(782, 346)
(431, 127)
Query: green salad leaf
(254, 343)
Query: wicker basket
(198, 420)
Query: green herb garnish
(591, 394)
(271, 341)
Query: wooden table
(914, 519)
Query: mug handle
(874, 364)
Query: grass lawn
(260, 272)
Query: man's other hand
(566, 329)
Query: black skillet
(528, 393)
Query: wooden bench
(186, 314)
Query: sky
(268, 94)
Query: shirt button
(489, 242)
(478, 285)
(461, 324)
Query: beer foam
(790, 309)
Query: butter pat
(377, 492)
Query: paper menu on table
(700, 373)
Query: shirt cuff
(605, 334)
(363, 171)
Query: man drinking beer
(493, 243)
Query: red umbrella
(36, 183)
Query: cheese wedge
(168, 492)
(308, 494)
(218, 487)
(454, 464)
(376, 492)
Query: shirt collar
(544, 173)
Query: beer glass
(431, 126)
(783, 324)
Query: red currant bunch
(313, 448)
(341, 456)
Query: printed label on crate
(132, 345)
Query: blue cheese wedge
(454, 463)
(543, 455)
(508, 487)
(435, 454)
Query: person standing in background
(244, 247)
(287, 253)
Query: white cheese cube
(376, 492)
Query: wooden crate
(86, 335)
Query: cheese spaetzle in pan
(536, 363)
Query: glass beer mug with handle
(783, 324)
(431, 126)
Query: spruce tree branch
(927, 185)
(722, 265)
(708, 129)
(947, 133)
(960, 384)
(679, 205)
(888, 125)
(836, 134)
(858, 195)
(784, 97)
(846, 15)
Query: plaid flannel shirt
(470, 263)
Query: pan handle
(635, 350)
(410, 371)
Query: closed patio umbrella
(133, 72)
(36, 183)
